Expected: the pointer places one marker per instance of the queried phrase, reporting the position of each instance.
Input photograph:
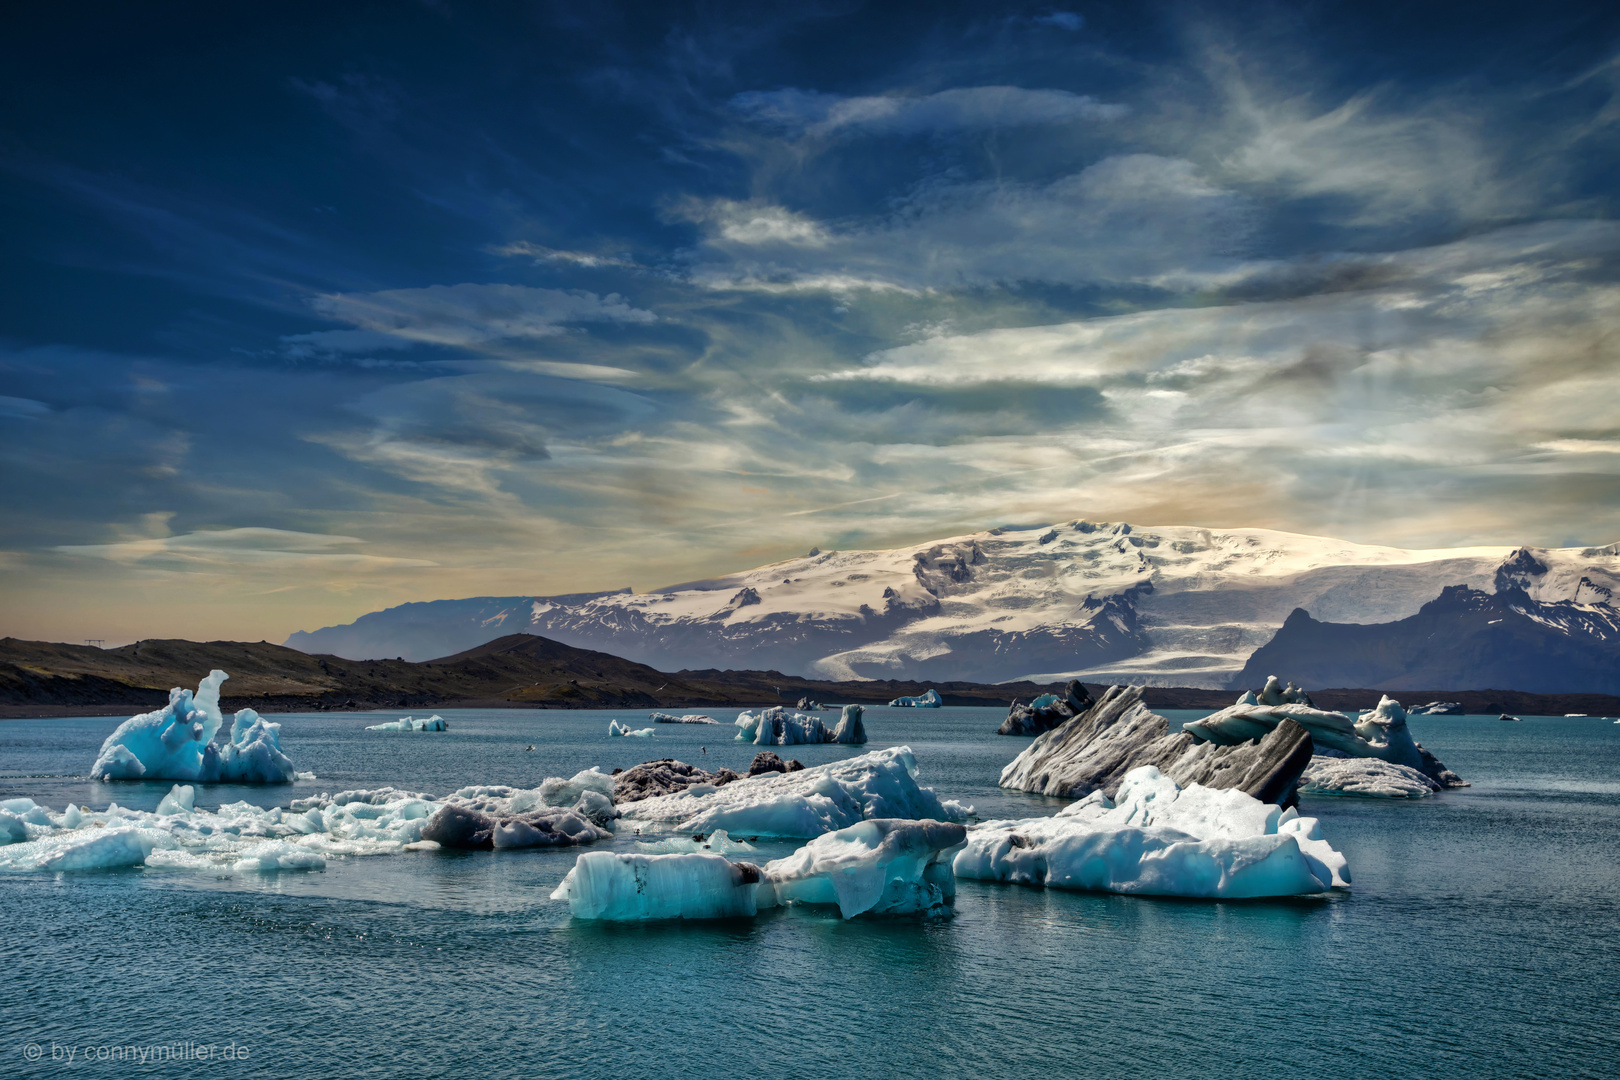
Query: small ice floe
(687, 718)
(930, 700)
(432, 723)
(616, 729)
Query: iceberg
(177, 743)
(717, 842)
(878, 866)
(666, 776)
(432, 723)
(616, 728)
(1369, 777)
(1096, 749)
(688, 718)
(1047, 711)
(930, 700)
(462, 827)
(1160, 839)
(1378, 733)
(804, 803)
(778, 727)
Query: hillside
(1104, 602)
(514, 671)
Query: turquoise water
(1482, 937)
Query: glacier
(1380, 733)
(800, 804)
(177, 743)
(406, 723)
(878, 866)
(1160, 839)
(930, 700)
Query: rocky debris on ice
(177, 743)
(930, 700)
(616, 728)
(1439, 708)
(1378, 733)
(406, 723)
(807, 705)
(778, 727)
(666, 776)
(1047, 711)
(1370, 777)
(1096, 749)
(809, 802)
(766, 761)
(1160, 839)
(461, 827)
(879, 866)
(688, 718)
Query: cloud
(470, 314)
(22, 408)
(243, 547)
(963, 109)
(1131, 218)
(1063, 20)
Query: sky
(312, 309)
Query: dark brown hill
(517, 671)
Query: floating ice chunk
(717, 843)
(880, 866)
(688, 718)
(463, 827)
(406, 723)
(808, 802)
(180, 800)
(176, 743)
(556, 791)
(850, 729)
(96, 849)
(1365, 776)
(13, 830)
(778, 727)
(273, 855)
(930, 700)
(616, 728)
(625, 888)
(747, 725)
(883, 866)
(1160, 839)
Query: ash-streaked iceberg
(930, 700)
(1380, 733)
(177, 743)
(406, 723)
(878, 866)
(685, 718)
(1160, 839)
(805, 803)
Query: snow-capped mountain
(1174, 605)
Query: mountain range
(1100, 601)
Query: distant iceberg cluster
(930, 700)
(177, 743)
(406, 723)
(778, 727)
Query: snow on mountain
(1171, 605)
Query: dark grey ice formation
(666, 776)
(1047, 711)
(1095, 749)
(460, 827)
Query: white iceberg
(1369, 777)
(615, 728)
(879, 866)
(805, 803)
(177, 743)
(930, 700)
(1160, 840)
(777, 726)
(406, 723)
(717, 843)
(687, 718)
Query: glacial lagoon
(1481, 935)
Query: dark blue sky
(314, 308)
